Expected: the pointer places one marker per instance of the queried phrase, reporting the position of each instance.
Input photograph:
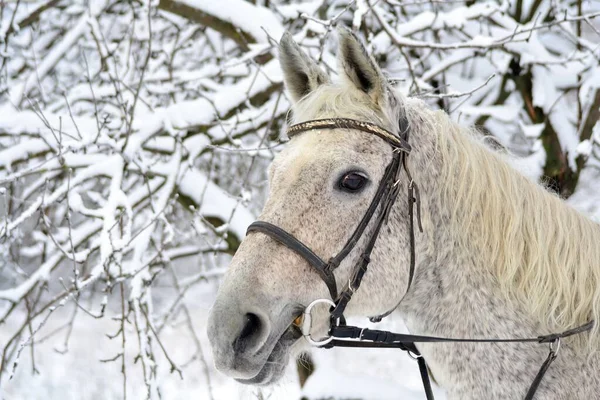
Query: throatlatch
(342, 335)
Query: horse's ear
(358, 67)
(300, 73)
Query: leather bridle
(342, 335)
(384, 198)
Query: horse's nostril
(250, 330)
(251, 327)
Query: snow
(584, 148)
(532, 165)
(344, 385)
(587, 196)
(533, 130)
(293, 10)
(544, 92)
(109, 242)
(438, 20)
(362, 8)
(20, 152)
(67, 43)
(215, 202)
(566, 132)
(505, 113)
(15, 123)
(194, 113)
(43, 272)
(237, 12)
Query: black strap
(377, 336)
(300, 248)
(408, 347)
(425, 377)
(540, 375)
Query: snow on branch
(239, 20)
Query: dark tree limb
(557, 172)
(32, 17)
(591, 117)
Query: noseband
(341, 335)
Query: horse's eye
(352, 182)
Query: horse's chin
(274, 367)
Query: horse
(499, 255)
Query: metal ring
(307, 323)
(554, 346)
(413, 356)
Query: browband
(348, 123)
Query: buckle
(331, 265)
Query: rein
(342, 335)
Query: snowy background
(134, 139)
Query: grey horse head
(320, 186)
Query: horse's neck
(448, 271)
(453, 296)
